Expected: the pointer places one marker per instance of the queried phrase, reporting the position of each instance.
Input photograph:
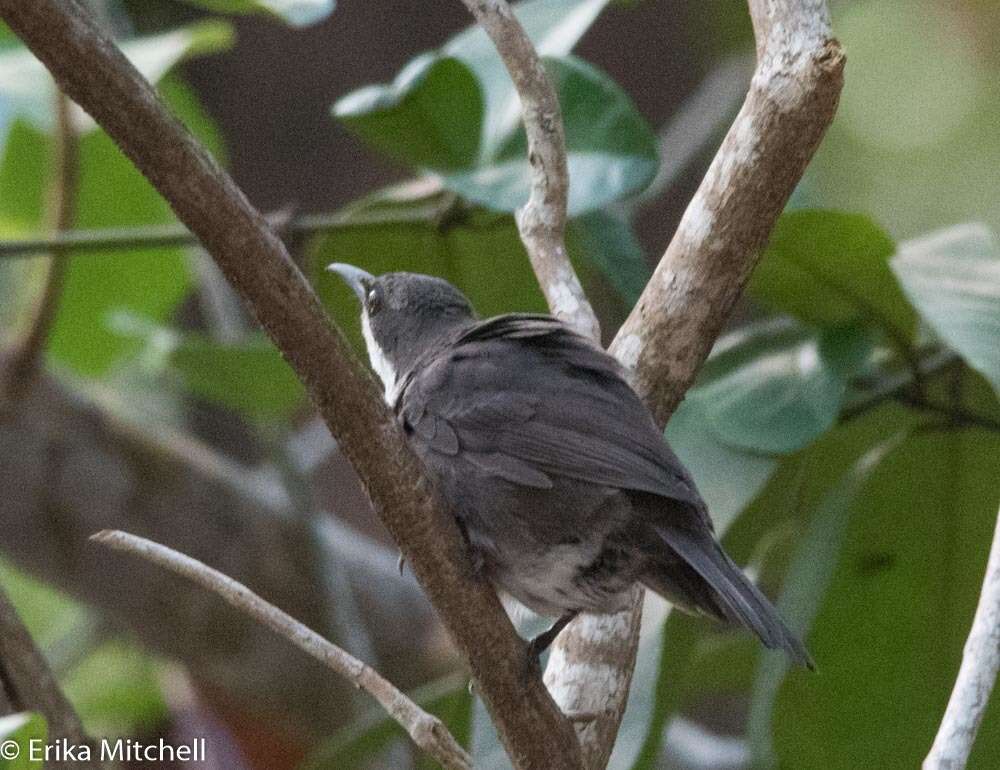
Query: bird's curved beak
(355, 277)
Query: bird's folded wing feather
(526, 399)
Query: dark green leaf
(727, 478)
(786, 395)
(609, 242)
(611, 150)
(829, 268)
(430, 116)
(953, 278)
(554, 26)
(147, 282)
(251, 377)
(25, 729)
(297, 13)
(898, 607)
(805, 585)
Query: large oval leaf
(611, 151)
(789, 393)
(828, 268)
(953, 278)
(554, 26)
(430, 116)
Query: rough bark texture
(92, 71)
(792, 100)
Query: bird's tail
(728, 594)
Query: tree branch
(542, 221)
(71, 464)
(426, 730)
(664, 341)
(95, 74)
(24, 362)
(976, 675)
(154, 236)
(28, 684)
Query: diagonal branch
(71, 464)
(976, 676)
(93, 72)
(542, 221)
(28, 684)
(24, 363)
(426, 730)
(792, 100)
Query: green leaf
(830, 268)
(296, 13)
(430, 116)
(611, 150)
(727, 477)
(805, 585)
(116, 690)
(25, 730)
(788, 394)
(250, 377)
(953, 278)
(111, 192)
(609, 242)
(898, 607)
(554, 26)
(27, 89)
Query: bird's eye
(374, 301)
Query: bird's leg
(541, 643)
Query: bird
(561, 482)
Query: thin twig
(81, 452)
(88, 66)
(976, 675)
(426, 730)
(792, 98)
(28, 684)
(28, 353)
(158, 236)
(542, 221)
(893, 386)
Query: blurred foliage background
(845, 431)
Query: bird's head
(402, 316)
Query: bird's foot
(543, 641)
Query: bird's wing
(525, 398)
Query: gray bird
(560, 479)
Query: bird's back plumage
(577, 495)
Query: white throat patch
(382, 366)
